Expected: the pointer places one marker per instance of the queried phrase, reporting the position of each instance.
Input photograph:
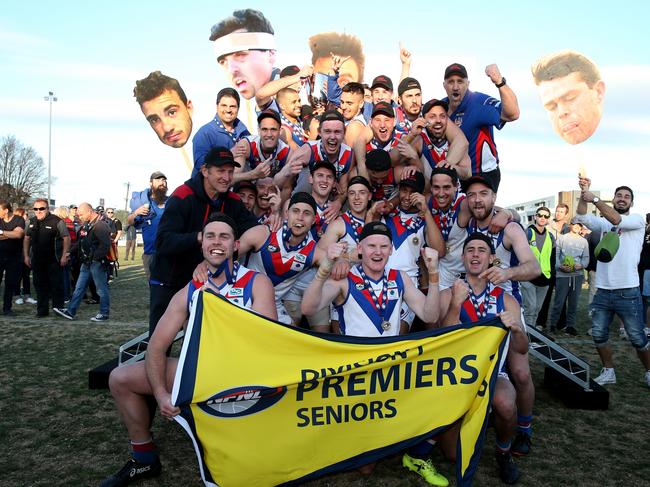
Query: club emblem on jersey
(272, 248)
(300, 258)
(234, 292)
(359, 286)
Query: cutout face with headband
(478, 254)
(244, 45)
(219, 241)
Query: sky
(90, 55)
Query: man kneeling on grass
(132, 384)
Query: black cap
(217, 216)
(73, 206)
(320, 164)
(455, 69)
(268, 113)
(231, 92)
(360, 180)
(434, 103)
(289, 71)
(302, 197)
(330, 115)
(415, 181)
(220, 156)
(482, 237)
(378, 160)
(575, 220)
(408, 84)
(382, 81)
(375, 228)
(383, 108)
(479, 178)
(244, 185)
(99, 209)
(156, 175)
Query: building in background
(527, 209)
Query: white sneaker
(647, 377)
(30, 300)
(20, 301)
(589, 331)
(607, 376)
(622, 333)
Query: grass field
(55, 431)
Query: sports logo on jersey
(234, 292)
(459, 118)
(392, 284)
(493, 102)
(297, 266)
(393, 293)
(272, 248)
(360, 286)
(242, 401)
(300, 258)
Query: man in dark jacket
(46, 249)
(93, 245)
(178, 243)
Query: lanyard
(380, 307)
(225, 269)
(285, 239)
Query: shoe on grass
(521, 445)
(508, 470)
(131, 472)
(19, 301)
(622, 333)
(64, 312)
(425, 469)
(99, 317)
(607, 376)
(30, 300)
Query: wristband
(503, 83)
(324, 269)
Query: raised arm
(509, 103)
(265, 94)
(426, 307)
(323, 291)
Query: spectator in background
(147, 207)
(45, 249)
(12, 229)
(571, 257)
(63, 213)
(117, 233)
(23, 287)
(131, 235)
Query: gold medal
(386, 325)
(496, 262)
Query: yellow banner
(268, 404)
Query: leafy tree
(22, 171)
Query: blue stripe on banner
(188, 379)
(186, 413)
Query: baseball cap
(382, 81)
(326, 164)
(302, 197)
(434, 103)
(99, 209)
(157, 175)
(408, 84)
(268, 113)
(73, 206)
(378, 160)
(330, 115)
(415, 181)
(455, 69)
(220, 156)
(383, 108)
(244, 185)
(575, 220)
(375, 228)
(479, 178)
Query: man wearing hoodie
(178, 241)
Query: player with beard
(131, 385)
(409, 100)
(292, 131)
(474, 299)
(247, 193)
(224, 130)
(147, 207)
(264, 154)
(268, 199)
(285, 254)
(351, 106)
(383, 178)
(433, 144)
(330, 148)
(412, 227)
(476, 113)
(515, 262)
(617, 279)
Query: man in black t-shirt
(12, 230)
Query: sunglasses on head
(543, 215)
(42, 208)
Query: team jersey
(358, 315)
(353, 227)
(320, 225)
(387, 146)
(402, 124)
(295, 129)
(433, 152)
(343, 161)
(281, 264)
(407, 230)
(359, 118)
(387, 188)
(280, 155)
(476, 115)
(507, 258)
(239, 292)
(490, 303)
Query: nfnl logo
(242, 401)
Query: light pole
(50, 98)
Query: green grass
(55, 431)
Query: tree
(22, 171)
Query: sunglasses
(543, 215)
(109, 212)
(42, 208)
